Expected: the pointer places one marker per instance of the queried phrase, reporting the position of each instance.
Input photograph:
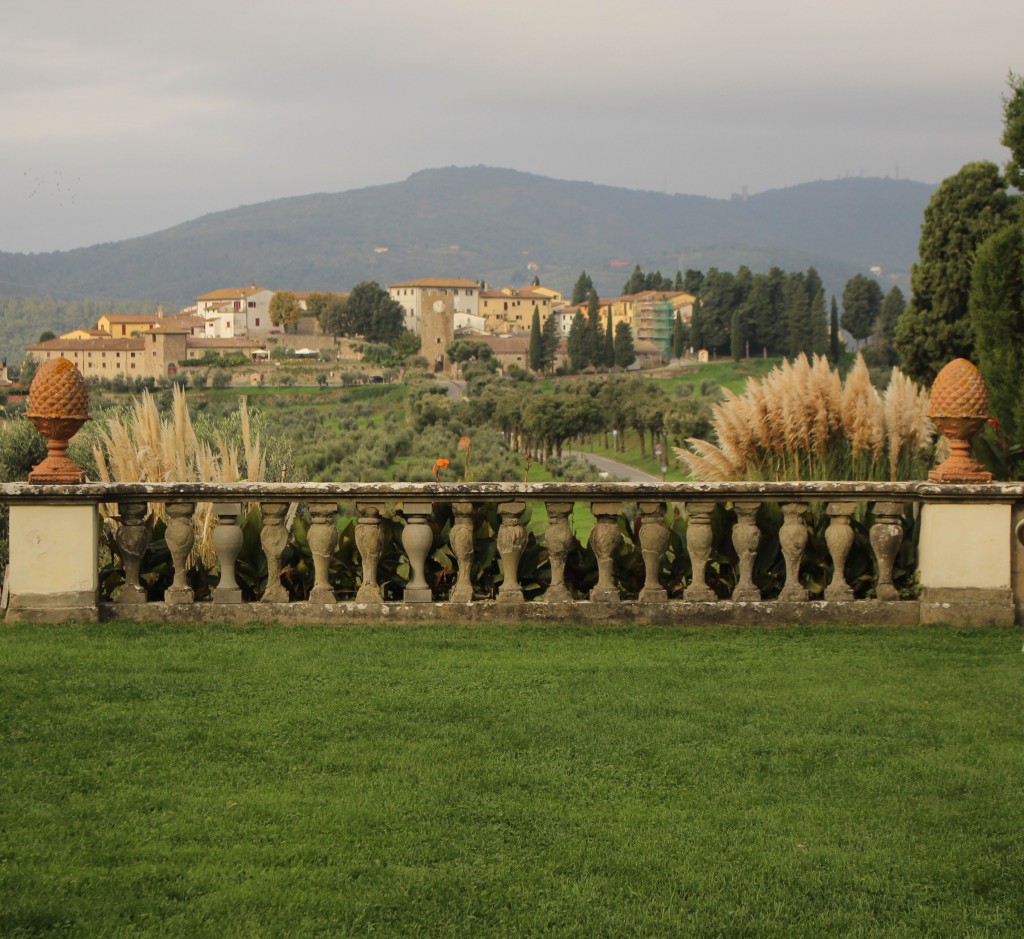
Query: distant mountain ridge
(495, 224)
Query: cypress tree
(582, 287)
(578, 343)
(609, 343)
(625, 354)
(678, 336)
(595, 335)
(819, 323)
(834, 340)
(737, 335)
(536, 342)
(550, 342)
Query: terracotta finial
(959, 408)
(58, 405)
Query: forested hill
(495, 224)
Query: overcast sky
(123, 117)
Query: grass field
(510, 782)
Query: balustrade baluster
(417, 539)
(698, 545)
(180, 536)
(461, 538)
(132, 540)
(274, 538)
(886, 539)
(227, 542)
(370, 544)
(793, 539)
(511, 541)
(746, 536)
(653, 542)
(323, 539)
(839, 539)
(558, 539)
(605, 537)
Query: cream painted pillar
(964, 564)
(54, 566)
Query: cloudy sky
(122, 117)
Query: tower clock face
(439, 306)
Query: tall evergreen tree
(536, 342)
(797, 314)
(678, 283)
(657, 281)
(965, 210)
(595, 333)
(678, 336)
(582, 287)
(819, 323)
(996, 302)
(835, 342)
(550, 342)
(625, 353)
(1013, 131)
(636, 282)
(738, 335)
(885, 327)
(717, 302)
(578, 345)
(812, 280)
(693, 280)
(609, 343)
(997, 315)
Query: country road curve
(614, 468)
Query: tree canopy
(1013, 130)
(966, 209)
(373, 313)
(862, 304)
(285, 310)
(997, 316)
(583, 286)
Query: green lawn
(510, 782)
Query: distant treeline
(25, 319)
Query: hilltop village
(253, 324)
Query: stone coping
(921, 491)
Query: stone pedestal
(964, 559)
(227, 541)
(417, 540)
(54, 567)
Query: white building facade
(412, 294)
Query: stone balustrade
(702, 552)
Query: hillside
(481, 222)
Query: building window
(257, 321)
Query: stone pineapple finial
(959, 409)
(58, 405)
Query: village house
(236, 312)
(510, 309)
(156, 353)
(417, 296)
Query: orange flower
(440, 464)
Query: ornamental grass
(141, 445)
(802, 422)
